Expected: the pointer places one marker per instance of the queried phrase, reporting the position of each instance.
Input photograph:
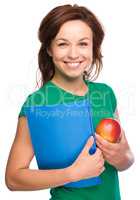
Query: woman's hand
(117, 154)
(86, 165)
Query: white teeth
(76, 64)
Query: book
(59, 133)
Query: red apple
(109, 129)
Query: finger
(109, 151)
(103, 149)
(107, 154)
(104, 143)
(98, 151)
(88, 145)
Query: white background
(19, 45)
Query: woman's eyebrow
(67, 40)
(85, 38)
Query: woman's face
(72, 49)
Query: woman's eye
(83, 44)
(62, 44)
(65, 44)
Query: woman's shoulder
(99, 85)
(35, 97)
(105, 89)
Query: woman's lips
(73, 64)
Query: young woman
(71, 38)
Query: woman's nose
(73, 53)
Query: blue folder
(59, 133)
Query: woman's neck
(75, 86)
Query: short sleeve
(22, 110)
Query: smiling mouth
(73, 64)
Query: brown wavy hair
(50, 26)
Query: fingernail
(96, 135)
(91, 138)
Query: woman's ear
(49, 52)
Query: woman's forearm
(28, 179)
(126, 162)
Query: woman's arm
(128, 159)
(117, 154)
(18, 176)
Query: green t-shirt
(103, 104)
